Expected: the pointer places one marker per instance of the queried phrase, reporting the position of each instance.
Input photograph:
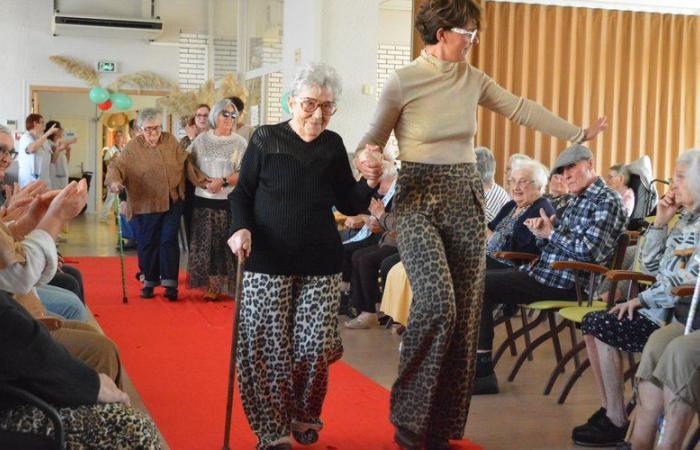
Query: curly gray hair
(537, 171)
(317, 74)
(218, 108)
(147, 114)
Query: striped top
(663, 256)
(496, 198)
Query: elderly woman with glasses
(292, 176)
(431, 105)
(152, 169)
(217, 153)
(507, 231)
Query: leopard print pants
(103, 426)
(441, 235)
(287, 338)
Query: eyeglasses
(5, 151)
(523, 183)
(310, 105)
(471, 36)
(156, 129)
(229, 114)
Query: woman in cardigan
(217, 153)
(292, 175)
(152, 169)
(431, 106)
(507, 231)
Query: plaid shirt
(587, 232)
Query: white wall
(394, 27)
(27, 42)
(349, 43)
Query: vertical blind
(641, 70)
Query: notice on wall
(255, 115)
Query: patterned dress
(210, 262)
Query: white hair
(319, 75)
(690, 159)
(147, 114)
(517, 158)
(537, 171)
(486, 164)
(5, 130)
(218, 108)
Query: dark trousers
(386, 266)
(364, 281)
(349, 249)
(71, 279)
(512, 287)
(158, 249)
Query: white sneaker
(364, 321)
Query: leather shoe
(436, 443)
(307, 437)
(170, 294)
(147, 292)
(486, 385)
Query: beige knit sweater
(431, 105)
(153, 176)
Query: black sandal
(307, 437)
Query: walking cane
(121, 248)
(234, 340)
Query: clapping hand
(376, 208)
(542, 227)
(15, 194)
(54, 128)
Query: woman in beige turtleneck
(431, 105)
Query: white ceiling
(691, 7)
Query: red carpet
(177, 355)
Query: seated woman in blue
(507, 231)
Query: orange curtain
(641, 70)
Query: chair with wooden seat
(548, 309)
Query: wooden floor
(520, 417)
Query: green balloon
(121, 101)
(284, 100)
(99, 95)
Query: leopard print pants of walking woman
(441, 236)
(287, 338)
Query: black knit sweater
(285, 195)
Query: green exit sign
(106, 66)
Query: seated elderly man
(507, 231)
(494, 194)
(627, 326)
(668, 386)
(587, 232)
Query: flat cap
(571, 155)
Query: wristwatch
(225, 182)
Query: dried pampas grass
(183, 103)
(78, 69)
(142, 80)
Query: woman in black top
(292, 175)
(94, 411)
